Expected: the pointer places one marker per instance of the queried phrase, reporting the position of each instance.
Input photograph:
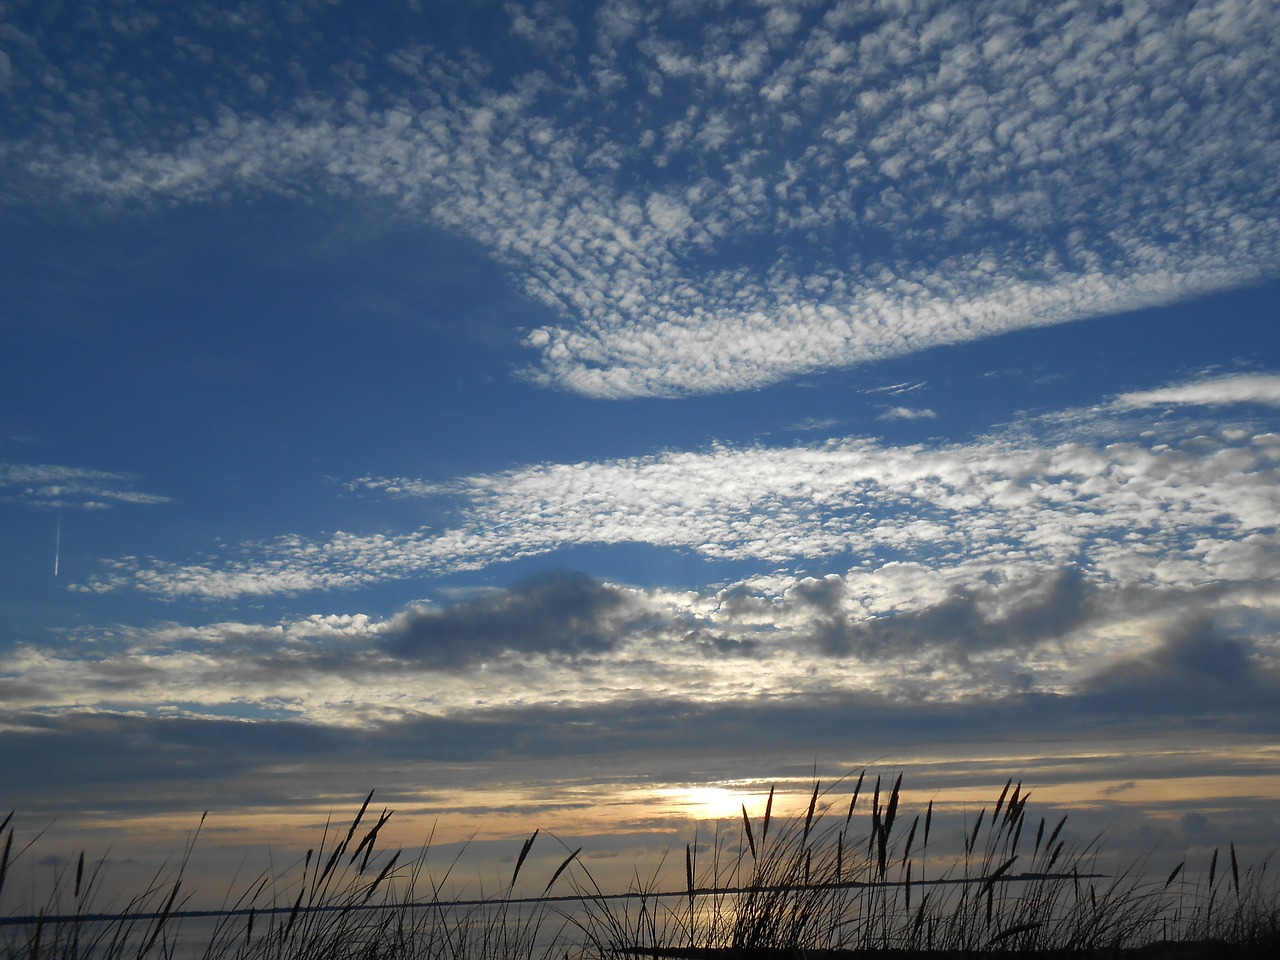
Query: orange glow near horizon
(490, 822)
(507, 812)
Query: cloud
(542, 27)
(224, 764)
(1119, 788)
(484, 777)
(397, 486)
(960, 637)
(750, 210)
(1197, 664)
(815, 424)
(557, 614)
(907, 413)
(51, 486)
(1194, 824)
(1076, 490)
(507, 693)
(961, 622)
(1261, 388)
(903, 632)
(895, 389)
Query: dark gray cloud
(1200, 664)
(719, 645)
(111, 752)
(966, 621)
(144, 763)
(559, 614)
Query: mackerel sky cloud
(1077, 497)
(433, 387)
(964, 172)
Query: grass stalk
(796, 885)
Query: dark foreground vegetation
(850, 875)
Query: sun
(711, 802)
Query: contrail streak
(57, 546)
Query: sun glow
(713, 803)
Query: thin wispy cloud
(813, 424)
(908, 413)
(896, 388)
(50, 486)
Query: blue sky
(551, 407)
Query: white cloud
(809, 424)
(1242, 388)
(1086, 567)
(1173, 508)
(53, 486)
(541, 26)
(908, 413)
(398, 486)
(894, 389)
(910, 633)
(984, 173)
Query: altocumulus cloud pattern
(715, 202)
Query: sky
(584, 416)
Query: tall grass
(826, 879)
(347, 900)
(853, 869)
